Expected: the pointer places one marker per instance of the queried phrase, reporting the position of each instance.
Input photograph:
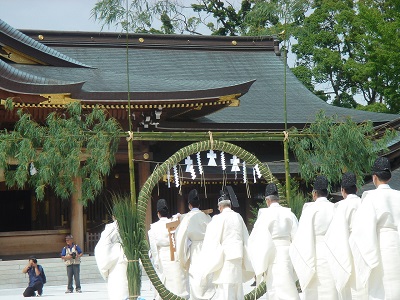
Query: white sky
(67, 15)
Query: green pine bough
(145, 195)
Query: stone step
(11, 275)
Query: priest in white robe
(170, 272)
(337, 240)
(189, 238)
(224, 252)
(374, 240)
(269, 243)
(112, 262)
(308, 250)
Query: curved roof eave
(15, 39)
(239, 89)
(16, 81)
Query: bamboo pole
(204, 136)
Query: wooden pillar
(181, 205)
(77, 228)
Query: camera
(73, 254)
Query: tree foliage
(333, 146)
(351, 46)
(71, 144)
(228, 19)
(145, 16)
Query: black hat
(228, 194)
(33, 257)
(162, 205)
(320, 183)
(381, 164)
(271, 189)
(349, 179)
(193, 197)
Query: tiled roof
(13, 38)
(265, 100)
(166, 64)
(12, 80)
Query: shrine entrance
(146, 190)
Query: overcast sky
(68, 15)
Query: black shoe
(78, 290)
(68, 291)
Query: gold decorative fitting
(231, 99)
(40, 37)
(18, 57)
(141, 40)
(234, 43)
(146, 155)
(58, 99)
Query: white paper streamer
(235, 164)
(257, 171)
(32, 170)
(212, 156)
(244, 172)
(223, 164)
(168, 178)
(189, 164)
(199, 166)
(176, 176)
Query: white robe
(189, 238)
(269, 243)
(112, 262)
(308, 252)
(170, 272)
(225, 255)
(375, 243)
(340, 258)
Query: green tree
(140, 16)
(305, 76)
(379, 79)
(71, 144)
(351, 46)
(325, 45)
(332, 146)
(228, 20)
(374, 107)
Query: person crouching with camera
(71, 254)
(35, 280)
